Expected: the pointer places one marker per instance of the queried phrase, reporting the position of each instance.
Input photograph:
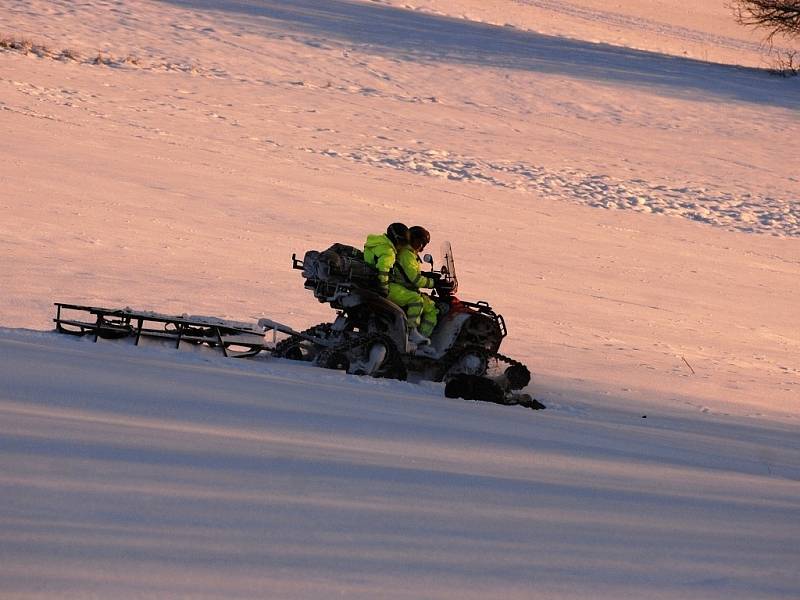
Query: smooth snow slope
(704, 31)
(151, 473)
(626, 201)
(179, 169)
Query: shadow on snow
(416, 36)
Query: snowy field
(130, 473)
(617, 179)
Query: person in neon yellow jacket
(408, 274)
(380, 251)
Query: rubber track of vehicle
(396, 364)
(280, 349)
(449, 360)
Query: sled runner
(233, 339)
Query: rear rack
(234, 339)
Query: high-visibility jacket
(407, 270)
(379, 251)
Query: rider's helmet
(419, 237)
(397, 234)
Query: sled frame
(110, 323)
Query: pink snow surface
(619, 180)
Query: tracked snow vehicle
(369, 335)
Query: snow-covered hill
(616, 179)
(154, 473)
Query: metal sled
(234, 339)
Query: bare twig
(778, 17)
(688, 365)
